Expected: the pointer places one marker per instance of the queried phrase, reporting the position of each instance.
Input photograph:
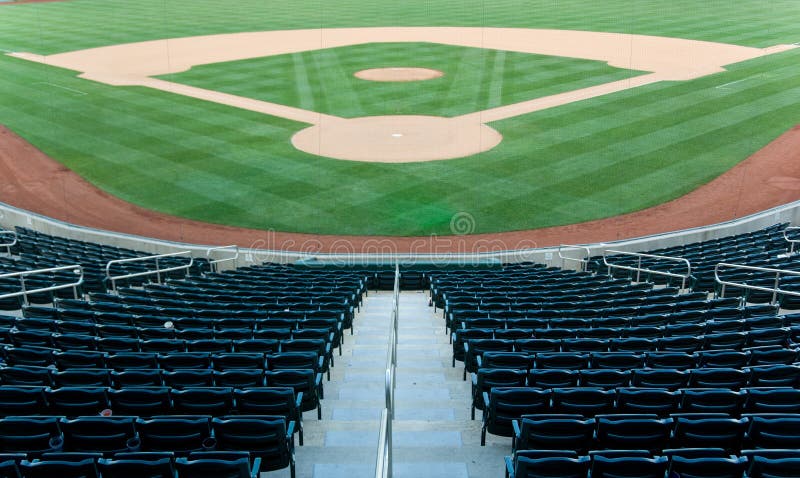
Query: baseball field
(516, 114)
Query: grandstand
(413, 239)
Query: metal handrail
(214, 263)
(383, 466)
(9, 245)
(583, 262)
(25, 292)
(157, 271)
(775, 290)
(639, 269)
(791, 242)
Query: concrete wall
(11, 217)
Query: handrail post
(776, 284)
(791, 242)
(583, 262)
(157, 271)
(639, 270)
(12, 243)
(775, 289)
(24, 291)
(214, 263)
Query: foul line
(82, 93)
(732, 83)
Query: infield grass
(586, 160)
(474, 79)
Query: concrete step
(433, 435)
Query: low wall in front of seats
(11, 216)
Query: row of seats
(625, 317)
(66, 342)
(276, 330)
(711, 462)
(753, 357)
(761, 343)
(178, 378)
(154, 401)
(150, 401)
(520, 355)
(502, 405)
(267, 437)
(745, 321)
(125, 314)
(313, 360)
(590, 401)
(211, 464)
(593, 303)
(246, 307)
(123, 361)
(652, 433)
(670, 379)
(149, 327)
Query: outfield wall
(11, 216)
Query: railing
(24, 292)
(639, 269)
(214, 263)
(157, 271)
(791, 241)
(8, 239)
(383, 466)
(775, 289)
(583, 262)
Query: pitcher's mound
(399, 74)
(397, 139)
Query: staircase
(433, 435)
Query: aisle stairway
(433, 435)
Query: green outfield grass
(587, 160)
(474, 79)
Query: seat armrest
(298, 399)
(486, 400)
(509, 466)
(255, 467)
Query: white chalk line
(82, 93)
(732, 83)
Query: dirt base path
(31, 180)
